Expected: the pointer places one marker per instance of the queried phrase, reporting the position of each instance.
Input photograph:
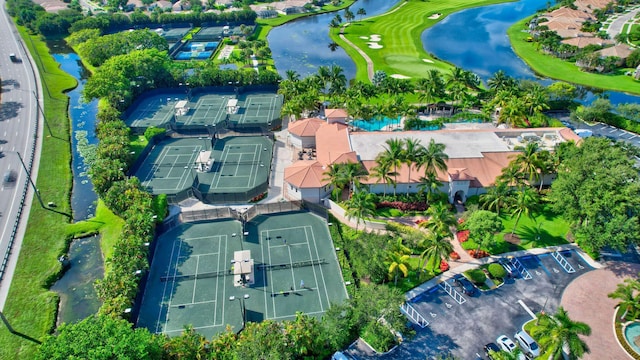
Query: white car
(526, 342)
(505, 343)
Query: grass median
(555, 68)
(400, 45)
(31, 308)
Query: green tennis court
(240, 165)
(155, 111)
(193, 277)
(206, 110)
(258, 109)
(168, 169)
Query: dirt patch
(512, 239)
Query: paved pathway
(585, 299)
(282, 157)
(618, 23)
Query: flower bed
(477, 254)
(404, 206)
(463, 235)
(454, 256)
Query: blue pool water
(376, 125)
(187, 55)
(631, 332)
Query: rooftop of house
(306, 127)
(335, 113)
(305, 174)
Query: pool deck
(585, 299)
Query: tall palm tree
(524, 202)
(440, 219)
(336, 179)
(627, 293)
(398, 264)
(433, 158)
(292, 75)
(512, 175)
(436, 247)
(496, 198)
(398, 246)
(393, 154)
(382, 172)
(412, 153)
(361, 12)
(361, 205)
(429, 185)
(529, 161)
(353, 172)
(500, 81)
(430, 87)
(558, 334)
(337, 79)
(344, 176)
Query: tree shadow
(623, 269)
(9, 110)
(538, 236)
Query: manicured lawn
(30, 306)
(563, 70)
(402, 51)
(545, 229)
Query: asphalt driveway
(463, 329)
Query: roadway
(602, 130)
(18, 119)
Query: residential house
(336, 115)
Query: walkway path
(282, 157)
(585, 299)
(617, 24)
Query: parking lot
(462, 324)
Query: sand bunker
(435, 16)
(427, 60)
(364, 37)
(373, 45)
(399, 76)
(375, 37)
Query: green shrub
(477, 276)
(160, 206)
(153, 131)
(378, 336)
(496, 270)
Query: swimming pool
(188, 55)
(631, 332)
(376, 125)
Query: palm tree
(397, 246)
(627, 293)
(436, 247)
(382, 172)
(361, 205)
(393, 154)
(344, 176)
(429, 185)
(353, 172)
(348, 15)
(361, 12)
(512, 175)
(337, 79)
(333, 46)
(433, 158)
(440, 219)
(558, 334)
(529, 162)
(412, 153)
(496, 198)
(525, 201)
(431, 87)
(336, 179)
(398, 264)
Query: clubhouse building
(476, 156)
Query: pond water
(303, 45)
(482, 46)
(77, 295)
(83, 139)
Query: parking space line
(453, 293)
(613, 130)
(562, 261)
(526, 308)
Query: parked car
(490, 349)
(508, 345)
(463, 283)
(527, 344)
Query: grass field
(566, 71)
(545, 229)
(30, 307)
(400, 29)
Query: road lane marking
(526, 308)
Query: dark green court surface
(234, 170)
(192, 281)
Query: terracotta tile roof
(590, 5)
(584, 41)
(569, 15)
(306, 127)
(335, 113)
(622, 51)
(305, 174)
(332, 142)
(569, 135)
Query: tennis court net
(263, 267)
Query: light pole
(46, 123)
(35, 189)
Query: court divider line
(315, 245)
(173, 284)
(195, 281)
(313, 267)
(173, 248)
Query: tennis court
(168, 169)
(240, 169)
(258, 110)
(194, 277)
(153, 111)
(208, 110)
